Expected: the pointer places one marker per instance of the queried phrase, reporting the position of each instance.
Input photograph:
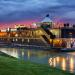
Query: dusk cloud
(69, 15)
(18, 10)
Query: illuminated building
(19, 26)
(46, 33)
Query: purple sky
(22, 10)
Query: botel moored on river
(46, 34)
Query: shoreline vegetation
(13, 66)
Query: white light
(8, 29)
(34, 24)
(3, 30)
(13, 29)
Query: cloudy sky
(28, 10)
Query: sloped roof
(46, 19)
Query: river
(61, 60)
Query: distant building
(34, 25)
(19, 26)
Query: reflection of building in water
(62, 61)
(10, 51)
(50, 61)
(54, 62)
(28, 54)
(71, 64)
(65, 63)
(57, 59)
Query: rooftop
(47, 19)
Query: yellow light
(50, 61)
(28, 54)
(71, 64)
(57, 59)
(54, 62)
(63, 64)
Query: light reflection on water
(64, 61)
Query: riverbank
(44, 48)
(13, 66)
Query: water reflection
(63, 64)
(71, 64)
(64, 61)
(57, 59)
